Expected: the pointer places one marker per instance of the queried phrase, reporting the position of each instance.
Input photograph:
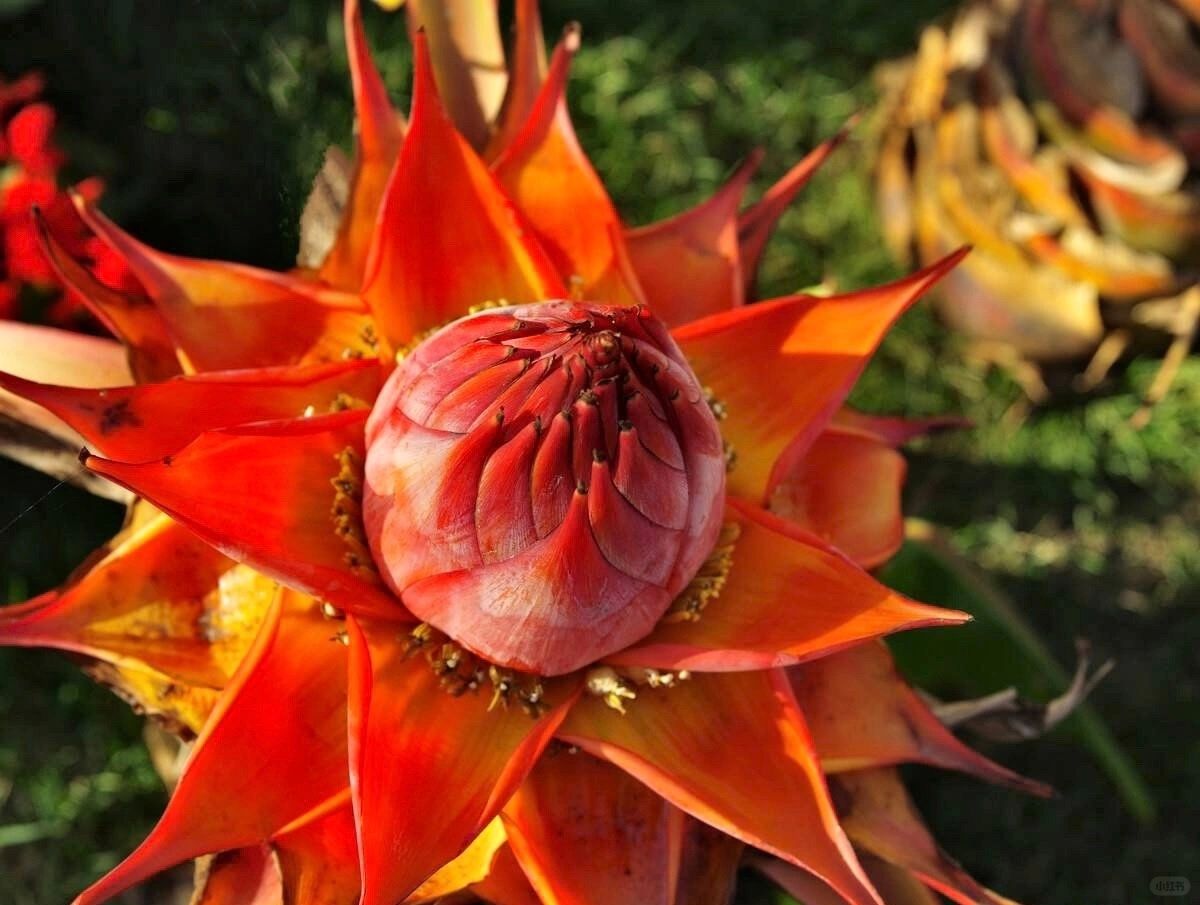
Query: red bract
(549, 570)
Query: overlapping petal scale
(542, 481)
(733, 751)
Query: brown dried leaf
(1007, 717)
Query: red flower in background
(29, 183)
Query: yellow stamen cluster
(616, 688)
(370, 341)
(730, 455)
(716, 405)
(720, 412)
(488, 305)
(459, 671)
(344, 402)
(346, 513)
(709, 581)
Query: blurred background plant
(1060, 138)
(208, 123)
(30, 164)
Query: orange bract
(539, 528)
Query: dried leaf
(1005, 716)
(322, 216)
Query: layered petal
(781, 369)
(895, 885)
(161, 607)
(896, 431)
(708, 865)
(878, 816)
(130, 317)
(549, 177)
(757, 222)
(318, 855)
(181, 707)
(52, 355)
(245, 876)
(785, 597)
(799, 883)
(437, 253)
(506, 883)
(223, 316)
(863, 714)
(280, 496)
(846, 490)
(733, 751)
(690, 265)
(380, 132)
(472, 866)
(588, 833)
(429, 769)
(29, 434)
(142, 423)
(274, 748)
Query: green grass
(209, 120)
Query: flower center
(542, 481)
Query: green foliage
(208, 121)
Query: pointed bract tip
(572, 37)
(77, 198)
(934, 272)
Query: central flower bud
(542, 481)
